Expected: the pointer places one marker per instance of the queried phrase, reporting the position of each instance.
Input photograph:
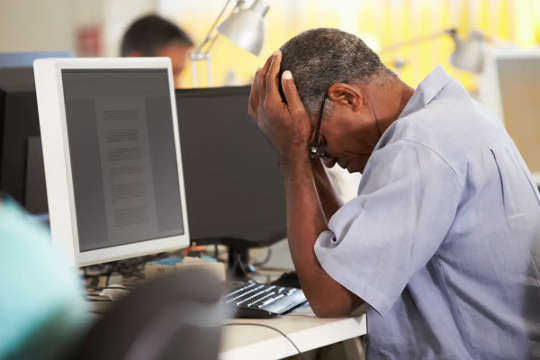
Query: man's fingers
(262, 77)
(272, 78)
(259, 82)
(267, 64)
(254, 96)
(291, 94)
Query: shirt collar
(426, 90)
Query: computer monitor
(510, 87)
(21, 175)
(235, 193)
(18, 121)
(112, 157)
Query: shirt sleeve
(406, 204)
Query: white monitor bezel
(58, 171)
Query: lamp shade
(246, 27)
(468, 54)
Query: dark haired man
(441, 242)
(153, 35)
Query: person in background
(153, 35)
(42, 308)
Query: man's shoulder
(449, 124)
(456, 131)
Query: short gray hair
(321, 57)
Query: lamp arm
(418, 40)
(212, 39)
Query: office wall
(32, 25)
(53, 25)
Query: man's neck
(388, 101)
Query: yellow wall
(379, 22)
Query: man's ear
(346, 95)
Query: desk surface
(307, 332)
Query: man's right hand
(286, 125)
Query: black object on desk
(18, 122)
(234, 189)
(288, 279)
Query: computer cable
(266, 258)
(271, 328)
(242, 266)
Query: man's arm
(288, 128)
(305, 221)
(327, 195)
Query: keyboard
(254, 300)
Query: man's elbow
(328, 298)
(327, 308)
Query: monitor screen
(122, 151)
(233, 183)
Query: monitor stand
(238, 250)
(238, 262)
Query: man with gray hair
(441, 242)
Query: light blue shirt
(442, 240)
(42, 309)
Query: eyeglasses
(315, 148)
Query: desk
(307, 332)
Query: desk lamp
(244, 26)
(467, 54)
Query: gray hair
(321, 57)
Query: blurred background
(491, 46)
(95, 28)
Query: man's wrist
(294, 159)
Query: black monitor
(234, 189)
(21, 160)
(21, 173)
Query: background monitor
(234, 186)
(18, 122)
(20, 173)
(510, 87)
(112, 157)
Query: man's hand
(287, 126)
